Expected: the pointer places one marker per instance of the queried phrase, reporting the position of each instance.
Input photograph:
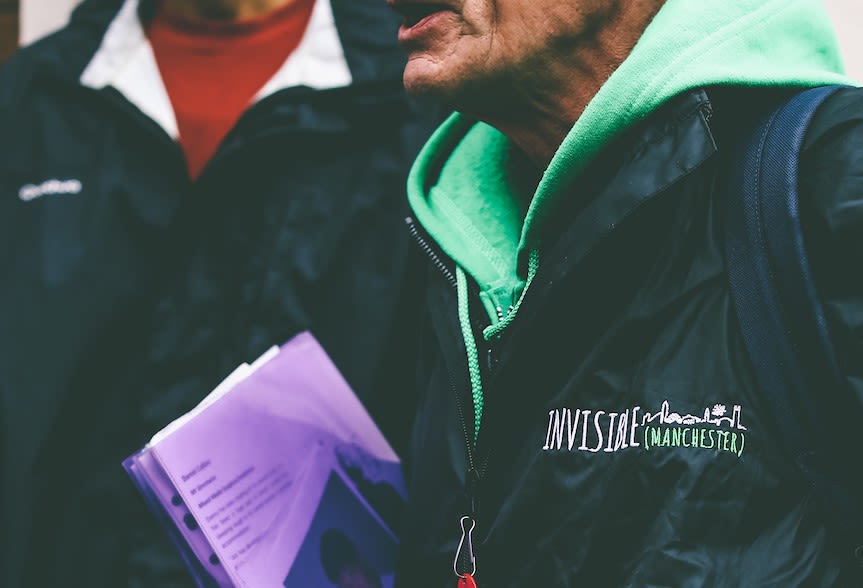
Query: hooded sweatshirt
(468, 190)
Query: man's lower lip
(407, 34)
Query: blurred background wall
(8, 27)
(38, 17)
(848, 20)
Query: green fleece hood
(466, 188)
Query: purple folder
(278, 478)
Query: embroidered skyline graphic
(595, 431)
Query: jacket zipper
(476, 470)
(465, 559)
(430, 252)
(439, 264)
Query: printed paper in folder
(278, 478)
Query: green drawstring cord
(488, 333)
(472, 353)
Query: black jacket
(623, 441)
(127, 292)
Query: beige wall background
(41, 16)
(848, 20)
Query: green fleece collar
(485, 236)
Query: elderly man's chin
(435, 81)
(424, 77)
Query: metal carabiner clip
(465, 548)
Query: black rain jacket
(624, 442)
(127, 292)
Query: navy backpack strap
(780, 316)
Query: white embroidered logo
(30, 192)
(575, 429)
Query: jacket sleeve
(831, 209)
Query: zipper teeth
(439, 264)
(495, 330)
(484, 465)
(450, 277)
(707, 111)
(430, 252)
(468, 443)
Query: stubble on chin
(424, 78)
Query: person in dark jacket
(182, 186)
(587, 412)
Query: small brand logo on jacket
(607, 431)
(30, 192)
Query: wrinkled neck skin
(221, 10)
(538, 113)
